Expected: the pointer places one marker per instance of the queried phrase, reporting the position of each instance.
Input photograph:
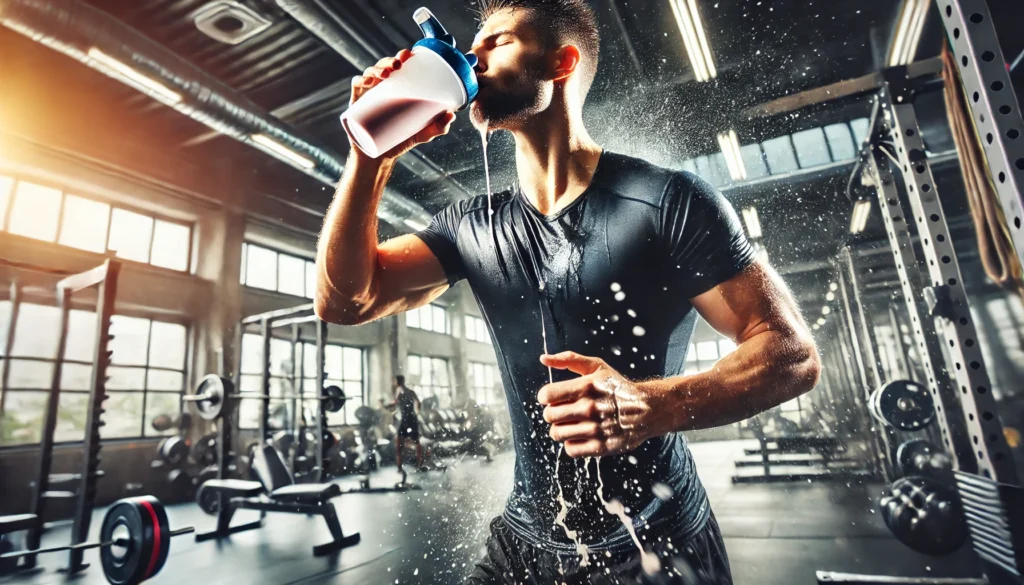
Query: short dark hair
(565, 21)
(400, 379)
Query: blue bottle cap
(437, 39)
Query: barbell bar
(134, 541)
(210, 395)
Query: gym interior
(165, 168)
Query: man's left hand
(599, 413)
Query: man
(408, 404)
(600, 262)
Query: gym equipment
(209, 397)
(925, 515)
(173, 451)
(134, 541)
(179, 481)
(903, 404)
(205, 450)
(164, 422)
(276, 491)
(921, 457)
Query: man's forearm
(764, 371)
(347, 250)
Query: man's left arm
(602, 412)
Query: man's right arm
(359, 280)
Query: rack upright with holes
(986, 475)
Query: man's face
(513, 71)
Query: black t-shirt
(618, 266)
(406, 402)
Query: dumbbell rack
(105, 278)
(933, 290)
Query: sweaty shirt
(608, 276)
(406, 401)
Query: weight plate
(173, 450)
(213, 388)
(205, 450)
(179, 480)
(925, 515)
(366, 416)
(905, 405)
(334, 399)
(208, 501)
(908, 451)
(140, 529)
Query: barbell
(134, 541)
(903, 404)
(209, 397)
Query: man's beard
(506, 108)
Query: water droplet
(662, 491)
(616, 287)
(631, 312)
(639, 331)
(616, 350)
(620, 296)
(631, 459)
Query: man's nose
(481, 61)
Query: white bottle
(436, 79)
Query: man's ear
(568, 60)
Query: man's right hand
(370, 78)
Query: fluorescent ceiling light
(275, 148)
(696, 41)
(134, 78)
(859, 219)
(753, 223)
(414, 224)
(908, 32)
(730, 146)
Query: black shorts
(701, 560)
(409, 430)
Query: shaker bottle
(436, 79)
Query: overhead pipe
(100, 41)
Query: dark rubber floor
(776, 534)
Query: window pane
(412, 318)
(309, 386)
(482, 333)
(75, 377)
(81, 336)
(309, 360)
(245, 252)
(131, 339)
(167, 345)
(470, 332)
(22, 418)
(860, 130)
(726, 346)
(753, 161)
(126, 378)
(5, 196)
(35, 333)
(440, 320)
(441, 372)
(30, 374)
(130, 235)
(719, 169)
(164, 380)
(353, 363)
(249, 410)
(261, 268)
(280, 357)
(35, 212)
(158, 403)
(123, 416)
(291, 275)
(5, 319)
(413, 367)
(839, 139)
(170, 245)
(689, 166)
(332, 361)
(310, 280)
(707, 350)
(71, 411)
(811, 149)
(85, 224)
(691, 354)
(252, 354)
(780, 155)
(792, 405)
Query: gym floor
(776, 534)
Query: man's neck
(555, 159)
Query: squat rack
(957, 377)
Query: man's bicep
(409, 274)
(750, 302)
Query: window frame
(243, 275)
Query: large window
(430, 317)
(429, 377)
(476, 329)
(277, 271)
(483, 379)
(703, 354)
(48, 214)
(146, 375)
(296, 375)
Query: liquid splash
(487, 178)
(649, 562)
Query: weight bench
(276, 491)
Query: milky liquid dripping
(581, 549)
(648, 561)
(487, 178)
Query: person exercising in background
(408, 405)
(595, 265)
